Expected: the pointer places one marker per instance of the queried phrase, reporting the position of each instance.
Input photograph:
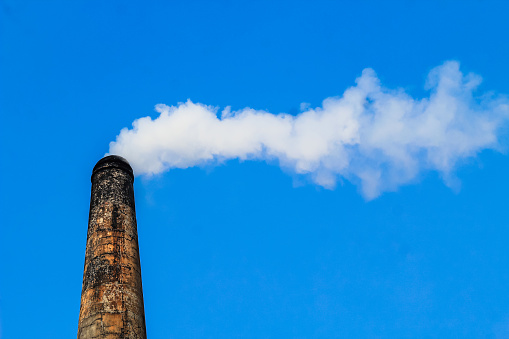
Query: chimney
(112, 296)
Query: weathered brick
(112, 295)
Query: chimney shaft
(112, 296)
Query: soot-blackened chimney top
(114, 161)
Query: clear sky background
(244, 249)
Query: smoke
(375, 137)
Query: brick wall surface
(112, 296)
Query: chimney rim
(112, 161)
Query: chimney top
(113, 161)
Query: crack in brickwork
(112, 294)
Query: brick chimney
(112, 296)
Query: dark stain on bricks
(114, 217)
(98, 271)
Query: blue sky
(243, 248)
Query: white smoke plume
(375, 137)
